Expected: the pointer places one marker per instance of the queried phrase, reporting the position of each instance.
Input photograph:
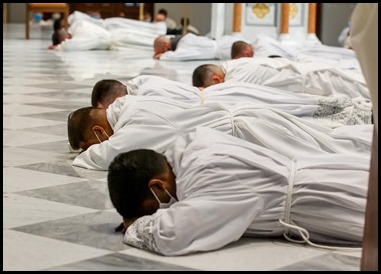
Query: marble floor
(59, 217)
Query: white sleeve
(155, 133)
(192, 47)
(194, 225)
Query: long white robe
(126, 33)
(155, 123)
(115, 33)
(86, 36)
(80, 16)
(336, 57)
(265, 46)
(312, 78)
(327, 111)
(192, 47)
(227, 188)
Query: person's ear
(156, 184)
(217, 79)
(98, 130)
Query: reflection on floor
(58, 217)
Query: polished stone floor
(59, 217)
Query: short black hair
(57, 25)
(106, 90)
(78, 122)
(237, 48)
(274, 56)
(128, 177)
(200, 75)
(163, 11)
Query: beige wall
(16, 12)
(199, 13)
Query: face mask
(96, 135)
(165, 205)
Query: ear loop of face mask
(96, 135)
(164, 205)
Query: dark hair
(200, 74)
(57, 25)
(78, 123)
(163, 12)
(128, 177)
(237, 48)
(106, 91)
(274, 56)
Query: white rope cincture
(287, 223)
(231, 115)
(305, 236)
(202, 96)
(290, 188)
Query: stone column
(285, 18)
(141, 11)
(311, 18)
(237, 17)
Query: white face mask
(164, 205)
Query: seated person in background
(162, 16)
(134, 122)
(189, 28)
(106, 91)
(209, 189)
(327, 111)
(147, 17)
(60, 34)
(241, 49)
(312, 78)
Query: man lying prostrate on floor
(209, 189)
(192, 47)
(311, 78)
(327, 111)
(184, 48)
(85, 35)
(134, 122)
(265, 46)
(90, 33)
(107, 91)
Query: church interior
(59, 217)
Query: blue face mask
(164, 205)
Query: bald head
(161, 45)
